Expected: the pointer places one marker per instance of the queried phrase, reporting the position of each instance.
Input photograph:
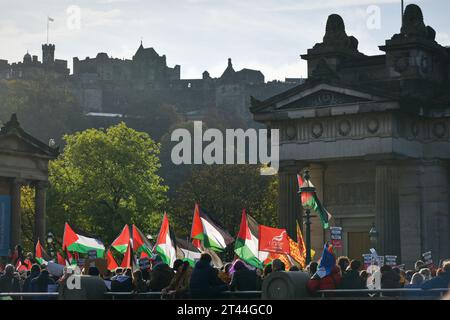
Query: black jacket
(121, 283)
(244, 280)
(205, 282)
(160, 277)
(9, 283)
(27, 283)
(352, 280)
(390, 280)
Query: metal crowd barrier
(256, 295)
(244, 295)
(22, 295)
(227, 295)
(383, 293)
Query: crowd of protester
(204, 281)
(348, 275)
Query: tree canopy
(105, 179)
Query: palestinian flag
(111, 263)
(324, 215)
(77, 243)
(206, 231)
(247, 243)
(75, 259)
(311, 200)
(127, 261)
(70, 258)
(122, 241)
(23, 266)
(141, 246)
(39, 254)
(166, 243)
(188, 252)
(60, 259)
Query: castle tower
(27, 58)
(48, 53)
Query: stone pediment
(13, 143)
(323, 98)
(13, 139)
(316, 96)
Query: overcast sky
(268, 35)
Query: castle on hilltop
(109, 85)
(32, 68)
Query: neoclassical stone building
(375, 132)
(23, 161)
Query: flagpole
(187, 242)
(48, 22)
(403, 10)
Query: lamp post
(50, 244)
(305, 189)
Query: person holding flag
(327, 276)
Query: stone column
(289, 199)
(435, 206)
(411, 213)
(387, 209)
(39, 218)
(16, 214)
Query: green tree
(28, 212)
(105, 179)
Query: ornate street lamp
(50, 242)
(307, 188)
(50, 238)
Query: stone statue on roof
(413, 25)
(336, 37)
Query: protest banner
(391, 261)
(336, 236)
(273, 240)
